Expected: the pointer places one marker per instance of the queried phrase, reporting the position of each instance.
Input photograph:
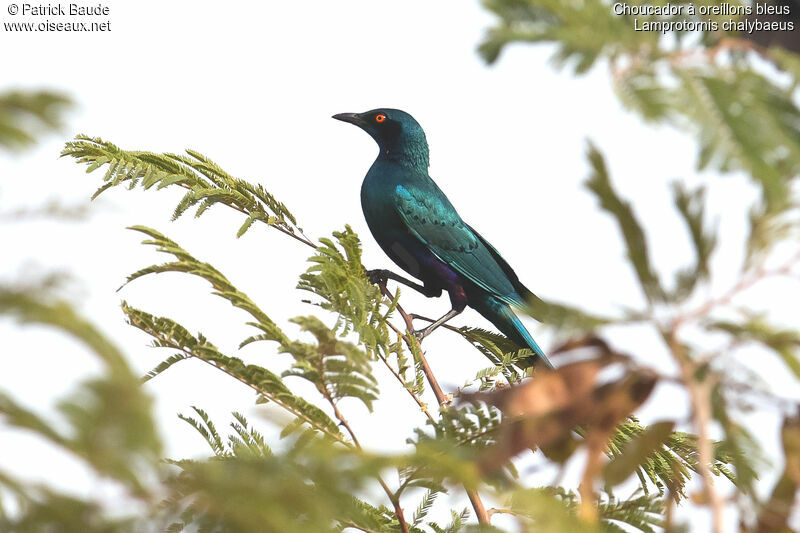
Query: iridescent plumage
(420, 230)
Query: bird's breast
(387, 227)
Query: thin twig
(472, 494)
(342, 420)
(700, 390)
(494, 510)
(422, 405)
(426, 369)
(276, 400)
(742, 285)
(670, 504)
(700, 397)
(477, 505)
(596, 444)
(398, 510)
(680, 57)
(305, 240)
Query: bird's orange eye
(380, 118)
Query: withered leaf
(774, 516)
(543, 411)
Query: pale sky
(253, 86)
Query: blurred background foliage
(26, 115)
(735, 94)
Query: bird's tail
(504, 319)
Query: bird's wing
(521, 289)
(432, 219)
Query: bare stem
(423, 407)
(596, 445)
(669, 512)
(477, 505)
(472, 494)
(398, 510)
(700, 389)
(494, 510)
(702, 407)
(671, 503)
(426, 369)
(343, 421)
(745, 283)
(700, 397)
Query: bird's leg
(381, 275)
(422, 333)
(458, 300)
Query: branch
(407, 318)
(207, 184)
(493, 511)
(276, 400)
(700, 389)
(472, 494)
(423, 407)
(743, 284)
(398, 510)
(700, 397)
(477, 505)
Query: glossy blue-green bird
(419, 229)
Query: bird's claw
(377, 276)
(420, 334)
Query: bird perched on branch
(421, 231)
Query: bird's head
(395, 131)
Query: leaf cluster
(314, 475)
(24, 115)
(449, 450)
(709, 83)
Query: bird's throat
(411, 155)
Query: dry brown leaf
(774, 517)
(545, 410)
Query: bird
(415, 224)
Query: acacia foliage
(467, 444)
(736, 94)
(24, 115)
(711, 84)
(317, 477)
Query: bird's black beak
(352, 118)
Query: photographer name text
(54, 10)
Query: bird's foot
(420, 333)
(378, 276)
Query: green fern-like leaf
(600, 184)
(206, 182)
(169, 334)
(25, 115)
(223, 288)
(338, 369)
